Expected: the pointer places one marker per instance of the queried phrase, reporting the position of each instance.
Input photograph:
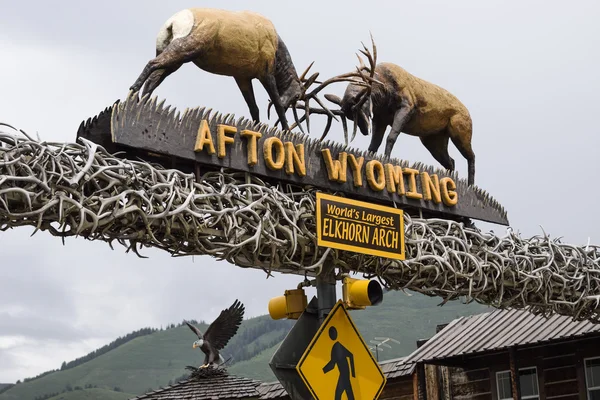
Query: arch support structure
(79, 189)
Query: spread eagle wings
(224, 327)
(196, 330)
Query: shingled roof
(271, 390)
(397, 367)
(499, 330)
(216, 388)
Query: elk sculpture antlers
(363, 78)
(306, 83)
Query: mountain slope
(154, 360)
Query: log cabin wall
(470, 382)
(559, 368)
(559, 373)
(398, 389)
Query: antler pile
(72, 189)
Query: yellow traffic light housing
(360, 293)
(291, 305)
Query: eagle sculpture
(218, 334)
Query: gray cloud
(40, 326)
(526, 71)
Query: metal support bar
(326, 294)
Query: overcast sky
(527, 71)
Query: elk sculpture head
(356, 104)
(295, 92)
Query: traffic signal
(291, 305)
(360, 293)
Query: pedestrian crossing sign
(338, 361)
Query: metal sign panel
(359, 226)
(338, 361)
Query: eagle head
(197, 343)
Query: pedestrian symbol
(339, 358)
(337, 362)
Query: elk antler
(372, 62)
(306, 83)
(358, 78)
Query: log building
(510, 354)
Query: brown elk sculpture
(240, 44)
(390, 96)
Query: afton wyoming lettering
(290, 157)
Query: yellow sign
(361, 227)
(337, 361)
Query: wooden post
(515, 382)
(440, 382)
(416, 385)
(422, 381)
(431, 381)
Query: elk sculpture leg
(437, 145)
(245, 86)
(378, 131)
(178, 52)
(400, 118)
(460, 130)
(270, 86)
(156, 78)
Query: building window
(504, 387)
(592, 378)
(529, 384)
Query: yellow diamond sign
(337, 361)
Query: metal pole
(326, 295)
(377, 352)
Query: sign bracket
(325, 313)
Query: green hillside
(151, 361)
(93, 394)
(257, 367)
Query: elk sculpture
(240, 44)
(390, 96)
